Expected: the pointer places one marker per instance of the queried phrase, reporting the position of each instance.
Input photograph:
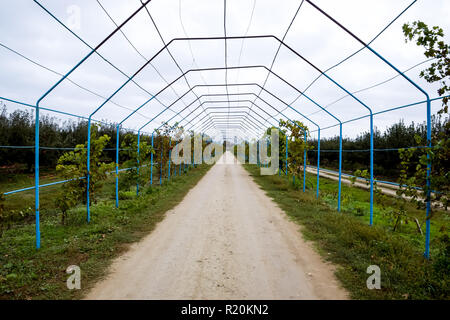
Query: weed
(27, 273)
(346, 239)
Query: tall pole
(117, 164)
(138, 162)
(36, 177)
(318, 163)
(304, 164)
(88, 164)
(286, 159)
(170, 144)
(340, 166)
(151, 164)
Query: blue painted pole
(36, 177)
(371, 168)
(304, 164)
(117, 165)
(160, 166)
(88, 164)
(170, 144)
(318, 162)
(286, 164)
(340, 166)
(257, 153)
(193, 156)
(138, 162)
(151, 164)
(428, 193)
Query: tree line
(56, 138)
(387, 160)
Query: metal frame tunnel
(246, 122)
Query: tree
(73, 166)
(167, 137)
(439, 154)
(296, 145)
(135, 159)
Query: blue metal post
(170, 144)
(88, 164)
(193, 153)
(257, 153)
(117, 165)
(340, 166)
(428, 194)
(304, 164)
(151, 164)
(318, 162)
(286, 164)
(138, 162)
(36, 177)
(160, 165)
(371, 168)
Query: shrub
(73, 166)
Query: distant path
(225, 240)
(383, 187)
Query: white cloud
(25, 27)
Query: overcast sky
(29, 30)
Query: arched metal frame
(144, 4)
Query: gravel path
(225, 240)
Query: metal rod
(117, 164)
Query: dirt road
(225, 240)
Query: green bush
(126, 195)
(73, 165)
(135, 160)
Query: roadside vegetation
(27, 273)
(346, 239)
(66, 237)
(396, 241)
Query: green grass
(352, 245)
(27, 273)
